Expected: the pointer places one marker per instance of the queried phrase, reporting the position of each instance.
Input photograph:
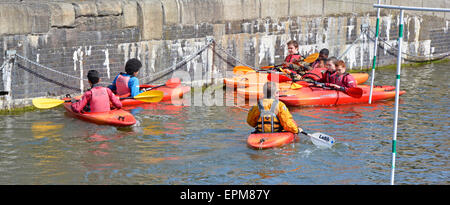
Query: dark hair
(324, 51)
(292, 42)
(133, 65)
(333, 59)
(269, 89)
(93, 76)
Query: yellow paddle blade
(45, 103)
(242, 69)
(295, 86)
(311, 58)
(150, 96)
(267, 67)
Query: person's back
(96, 99)
(271, 115)
(316, 73)
(127, 84)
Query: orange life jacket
(268, 117)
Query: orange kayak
(169, 93)
(259, 78)
(269, 140)
(313, 96)
(117, 117)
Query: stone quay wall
(57, 42)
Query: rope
(220, 48)
(43, 66)
(177, 66)
(426, 58)
(47, 79)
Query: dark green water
(207, 145)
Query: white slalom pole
(375, 53)
(397, 91)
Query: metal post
(397, 91)
(375, 53)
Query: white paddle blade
(322, 140)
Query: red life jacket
(315, 74)
(122, 85)
(292, 58)
(99, 100)
(344, 80)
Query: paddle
(171, 83)
(244, 69)
(270, 66)
(282, 78)
(352, 92)
(149, 96)
(311, 58)
(320, 139)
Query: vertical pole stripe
(377, 29)
(400, 30)
(394, 146)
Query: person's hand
(334, 86)
(299, 130)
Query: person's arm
(133, 84)
(286, 119)
(252, 117)
(115, 100)
(112, 87)
(349, 81)
(78, 106)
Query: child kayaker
(127, 84)
(323, 55)
(317, 72)
(271, 115)
(340, 79)
(291, 62)
(96, 99)
(330, 64)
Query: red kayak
(269, 140)
(259, 78)
(312, 96)
(169, 94)
(117, 117)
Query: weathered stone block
(234, 10)
(171, 11)
(62, 15)
(150, 17)
(305, 8)
(85, 9)
(108, 7)
(130, 14)
(274, 9)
